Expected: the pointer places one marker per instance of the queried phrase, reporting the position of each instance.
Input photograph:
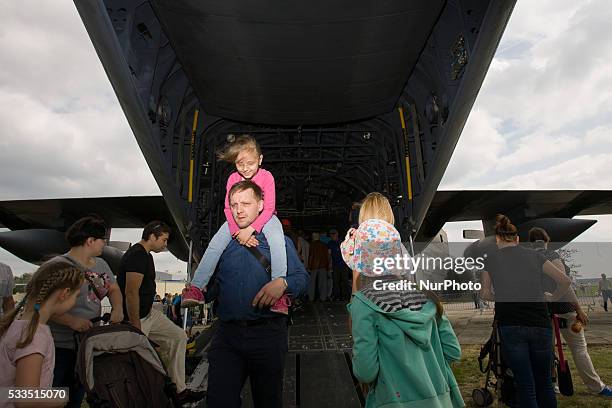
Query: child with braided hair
(27, 353)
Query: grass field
(469, 377)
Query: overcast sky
(542, 120)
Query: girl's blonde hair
(47, 279)
(376, 206)
(232, 149)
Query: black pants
(65, 376)
(238, 352)
(341, 289)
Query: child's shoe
(281, 305)
(192, 297)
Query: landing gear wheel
(482, 397)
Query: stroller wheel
(482, 397)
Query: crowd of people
(404, 344)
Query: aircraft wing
(118, 212)
(521, 206)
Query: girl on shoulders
(245, 153)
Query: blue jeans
(64, 376)
(528, 353)
(273, 230)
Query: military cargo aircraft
(344, 97)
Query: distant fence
(468, 301)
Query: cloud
(542, 118)
(485, 144)
(47, 55)
(586, 172)
(90, 152)
(599, 137)
(63, 131)
(539, 19)
(553, 106)
(565, 72)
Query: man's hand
(80, 325)
(116, 315)
(244, 234)
(270, 293)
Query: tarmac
(317, 368)
(473, 326)
(324, 327)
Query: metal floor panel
(326, 381)
(320, 327)
(317, 373)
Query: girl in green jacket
(403, 342)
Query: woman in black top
(513, 278)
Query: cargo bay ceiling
(284, 62)
(345, 97)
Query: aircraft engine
(38, 245)
(34, 245)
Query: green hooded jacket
(404, 355)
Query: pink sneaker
(281, 305)
(192, 297)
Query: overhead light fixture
(367, 136)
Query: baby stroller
(498, 376)
(119, 367)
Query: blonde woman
(374, 206)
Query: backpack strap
(261, 259)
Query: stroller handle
(105, 318)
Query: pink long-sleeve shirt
(265, 180)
